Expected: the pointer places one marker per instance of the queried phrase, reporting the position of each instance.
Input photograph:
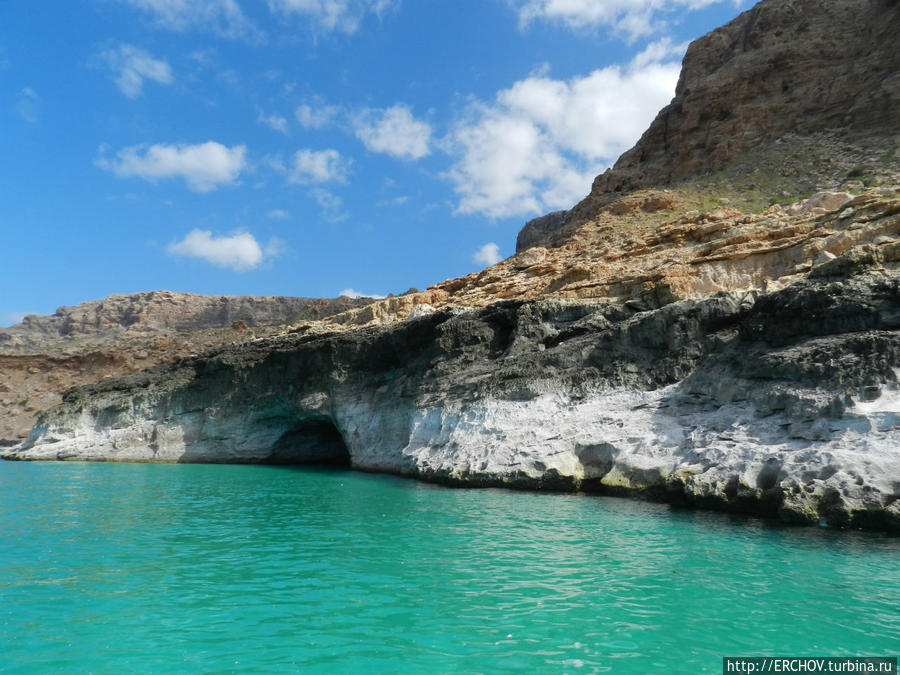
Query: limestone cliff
(45, 355)
(724, 340)
(784, 404)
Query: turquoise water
(112, 568)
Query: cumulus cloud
(393, 131)
(319, 166)
(487, 255)
(634, 18)
(204, 167)
(239, 251)
(273, 121)
(538, 146)
(350, 293)
(223, 17)
(132, 65)
(28, 105)
(330, 15)
(315, 114)
(278, 214)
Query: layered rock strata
(816, 82)
(161, 311)
(783, 403)
(727, 340)
(653, 247)
(45, 355)
(784, 66)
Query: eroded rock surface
(783, 403)
(653, 247)
(784, 66)
(45, 355)
(717, 324)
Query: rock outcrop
(784, 404)
(784, 66)
(45, 355)
(727, 341)
(536, 230)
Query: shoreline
(765, 512)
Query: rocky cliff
(813, 83)
(724, 340)
(783, 404)
(162, 311)
(798, 66)
(45, 355)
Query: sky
(309, 147)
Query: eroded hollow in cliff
(310, 441)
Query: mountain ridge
(43, 356)
(815, 84)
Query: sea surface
(117, 568)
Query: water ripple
(112, 568)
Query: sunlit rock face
(729, 343)
(809, 88)
(783, 404)
(784, 66)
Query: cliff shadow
(310, 442)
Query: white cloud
(487, 255)
(273, 121)
(278, 214)
(316, 114)
(239, 251)
(539, 145)
(394, 201)
(634, 18)
(204, 167)
(223, 17)
(132, 65)
(341, 15)
(319, 166)
(353, 295)
(28, 105)
(331, 205)
(393, 131)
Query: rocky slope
(782, 403)
(45, 355)
(161, 311)
(717, 324)
(813, 83)
(798, 66)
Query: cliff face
(695, 342)
(785, 66)
(161, 311)
(45, 355)
(790, 97)
(783, 404)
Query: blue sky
(309, 147)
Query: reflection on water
(190, 568)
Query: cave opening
(315, 442)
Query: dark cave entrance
(314, 442)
